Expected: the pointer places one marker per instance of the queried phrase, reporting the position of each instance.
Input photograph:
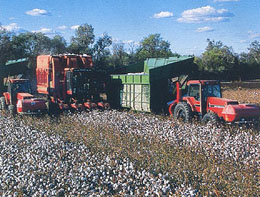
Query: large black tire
(210, 117)
(183, 112)
(52, 108)
(2, 103)
(11, 109)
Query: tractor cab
(198, 92)
(16, 86)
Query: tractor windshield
(22, 87)
(212, 91)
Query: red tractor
(70, 82)
(18, 98)
(204, 98)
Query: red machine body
(70, 81)
(204, 98)
(19, 99)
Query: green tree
(250, 62)
(132, 48)
(217, 58)
(31, 45)
(84, 37)
(153, 46)
(101, 51)
(120, 56)
(58, 45)
(5, 46)
(254, 52)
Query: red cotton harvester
(204, 98)
(70, 82)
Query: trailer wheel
(11, 109)
(2, 103)
(183, 111)
(210, 117)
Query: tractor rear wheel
(2, 103)
(11, 109)
(183, 111)
(210, 117)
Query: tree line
(217, 61)
(221, 62)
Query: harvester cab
(204, 99)
(18, 98)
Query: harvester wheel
(3, 103)
(11, 109)
(52, 108)
(183, 111)
(210, 117)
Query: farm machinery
(18, 98)
(204, 98)
(148, 86)
(70, 82)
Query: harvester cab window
(194, 91)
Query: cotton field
(124, 153)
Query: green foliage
(101, 51)
(254, 52)
(250, 62)
(153, 46)
(58, 45)
(31, 45)
(5, 46)
(84, 37)
(120, 57)
(217, 58)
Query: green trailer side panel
(132, 78)
(136, 97)
(134, 91)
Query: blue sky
(186, 24)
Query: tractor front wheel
(210, 117)
(183, 112)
